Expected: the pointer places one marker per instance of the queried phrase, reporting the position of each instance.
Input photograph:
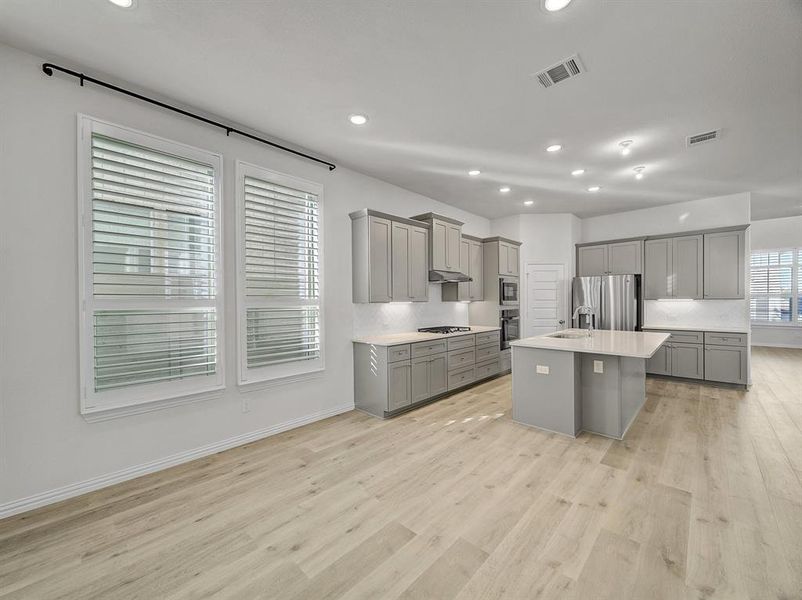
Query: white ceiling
(448, 87)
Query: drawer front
(683, 337)
(725, 339)
(461, 358)
(460, 378)
(487, 338)
(396, 353)
(463, 341)
(427, 348)
(487, 351)
(487, 369)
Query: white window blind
(151, 263)
(776, 284)
(280, 316)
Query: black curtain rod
(48, 69)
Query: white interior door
(545, 298)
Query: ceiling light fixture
(639, 171)
(123, 3)
(594, 188)
(625, 147)
(554, 148)
(555, 5)
(474, 172)
(577, 172)
(504, 189)
(528, 202)
(358, 119)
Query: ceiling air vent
(701, 138)
(565, 69)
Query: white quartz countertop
(709, 329)
(632, 344)
(394, 339)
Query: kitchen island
(568, 382)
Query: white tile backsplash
(697, 313)
(401, 317)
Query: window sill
(107, 414)
(254, 386)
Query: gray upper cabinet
(509, 257)
(471, 263)
(444, 241)
(501, 256)
(724, 262)
(687, 259)
(658, 268)
(389, 258)
(617, 258)
(453, 247)
(476, 271)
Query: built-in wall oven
(508, 291)
(509, 321)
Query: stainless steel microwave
(508, 291)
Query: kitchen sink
(571, 335)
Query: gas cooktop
(443, 329)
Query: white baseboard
(95, 483)
(776, 345)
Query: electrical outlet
(598, 366)
(542, 369)
(246, 405)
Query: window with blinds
(280, 315)
(151, 265)
(776, 286)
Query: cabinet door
(418, 264)
(464, 289)
(513, 260)
(420, 379)
(687, 267)
(439, 246)
(687, 360)
(453, 241)
(724, 257)
(591, 260)
(503, 258)
(438, 375)
(400, 262)
(726, 364)
(658, 269)
(476, 271)
(379, 273)
(399, 382)
(625, 258)
(660, 362)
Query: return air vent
(701, 138)
(565, 69)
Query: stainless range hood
(438, 276)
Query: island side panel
(550, 400)
(633, 390)
(370, 378)
(601, 394)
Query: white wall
(769, 235)
(45, 445)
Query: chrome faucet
(586, 310)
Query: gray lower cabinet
(724, 260)
(399, 385)
(687, 360)
(660, 362)
(429, 377)
(727, 364)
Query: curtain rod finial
(47, 68)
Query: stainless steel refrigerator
(615, 300)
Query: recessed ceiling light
(625, 147)
(639, 171)
(504, 189)
(474, 172)
(358, 119)
(554, 148)
(528, 202)
(555, 5)
(594, 188)
(123, 3)
(577, 172)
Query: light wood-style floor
(702, 500)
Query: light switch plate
(542, 369)
(598, 366)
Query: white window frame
(286, 372)
(796, 265)
(141, 397)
